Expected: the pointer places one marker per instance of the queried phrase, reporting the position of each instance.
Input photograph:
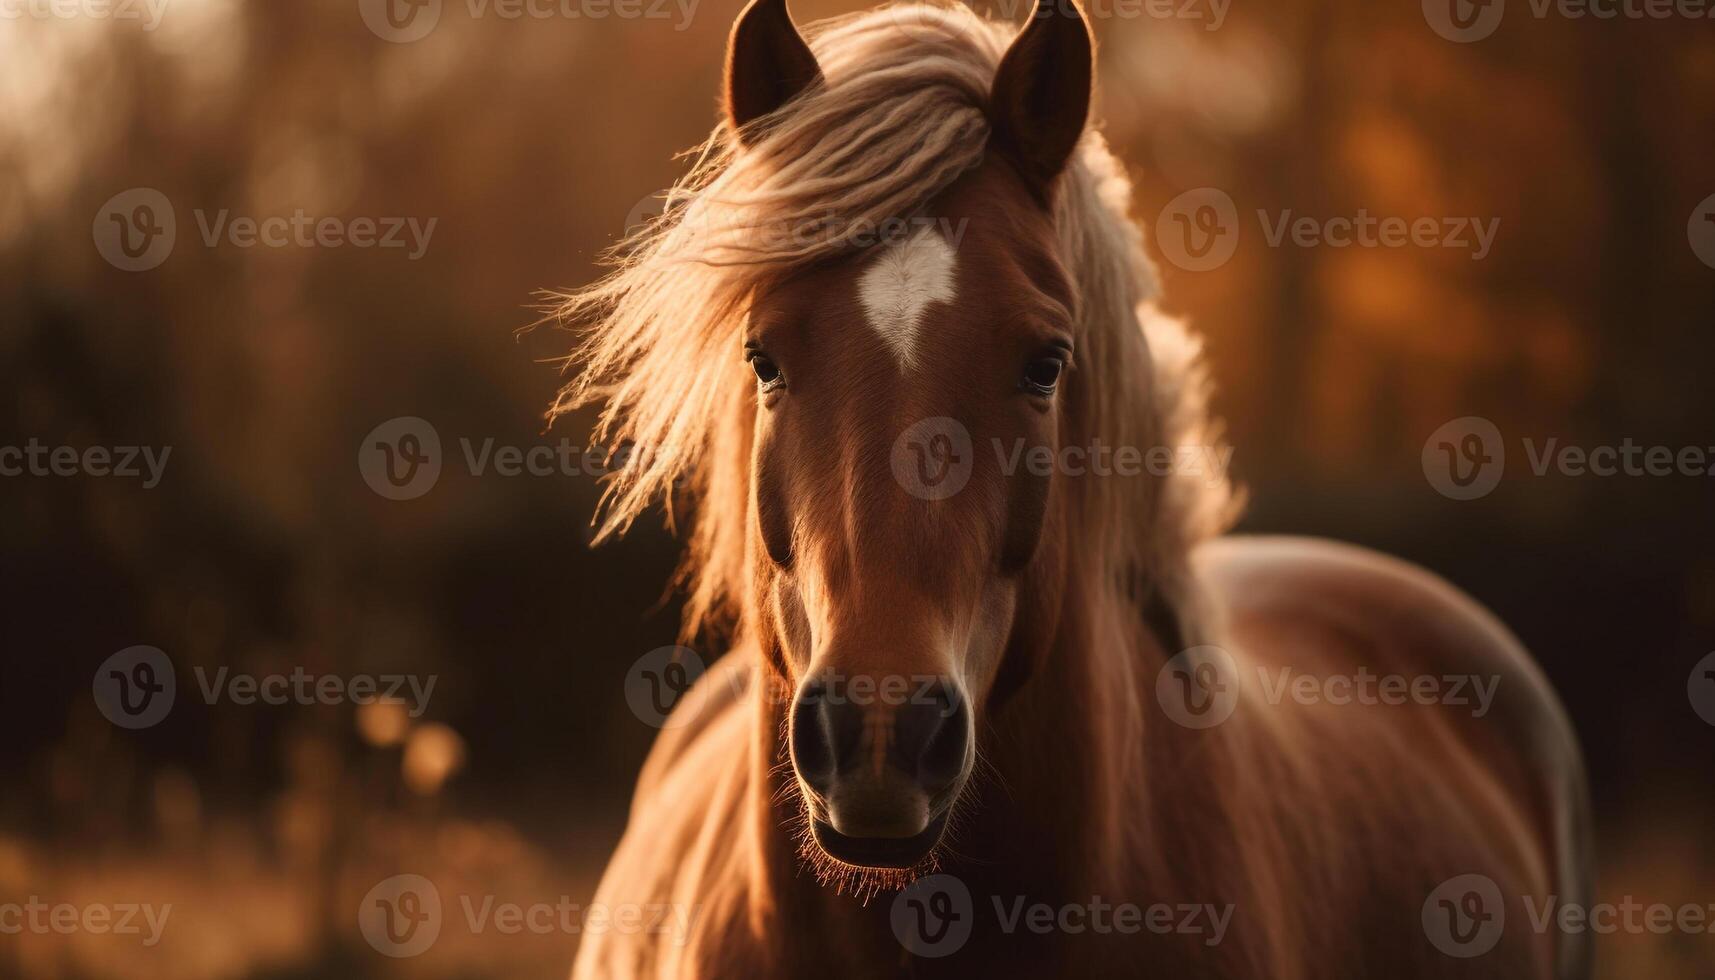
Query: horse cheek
(1026, 509)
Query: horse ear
(1041, 96)
(767, 62)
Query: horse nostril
(932, 735)
(815, 735)
(832, 733)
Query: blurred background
(532, 143)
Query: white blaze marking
(900, 283)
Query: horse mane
(900, 115)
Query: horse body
(1310, 822)
(1051, 616)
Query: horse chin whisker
(861, 882)
(958, 812)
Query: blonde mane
(900, 116)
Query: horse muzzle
(880, 772)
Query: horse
(989, 705)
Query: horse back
(1470, 767)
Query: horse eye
(767, 372)
(1042, 374)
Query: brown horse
(996, 701)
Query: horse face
(901, 394)
(898, 392)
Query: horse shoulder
(703, 713)
(678, 858)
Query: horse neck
(1063, 760)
